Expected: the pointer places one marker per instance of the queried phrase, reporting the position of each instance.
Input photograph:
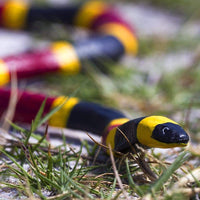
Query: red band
(31, 64)
(1, 13)
(27, 106)
(104, 135)
(109, 16)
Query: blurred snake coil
(113, 38)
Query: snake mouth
(183, 138)
(183, 144)
(184, 141)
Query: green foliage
(37, 170)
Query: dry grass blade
(153, 158)
(194, 149)
(3, 137)
(186, 191)
(116, 173)
(140, 161)
(188, 178)
(104, 146)
(96, 155)
(104, 174)
(12, 102)
(145, 168)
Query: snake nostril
(183, 138)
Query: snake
(113, 37)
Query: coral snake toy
(115, 37)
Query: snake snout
(183, 137)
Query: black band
(100, 47)
(92, 117)
(64, 14)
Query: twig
(104, 146)
(116, 173)
(140, 161)
(12, 102)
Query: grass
(60, 173)
(40, 171)
(36, 170)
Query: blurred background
(163, 78)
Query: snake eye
(166, 131)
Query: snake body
(115, 37)
(150, 131)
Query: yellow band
(14, 14)
(118, 121)
(66, 57)
(110, 139)
(4, 73)
(88, 12)
(123, 34)
(61, 117)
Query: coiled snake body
(115, 37)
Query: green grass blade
(168, 173)
(78, 187)
(16, 163)
(131, 182)
(17, 174)
(18, 128)
(76, 164)
(14, 186)
(49, 166)
(47, 181)
(112, 190)
(38, 117)
(65, 195)
(28, 137)
(53, 111)
(40, 140)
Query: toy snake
(151, 131)
(115, 38)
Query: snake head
(161, 132)
(170, 133)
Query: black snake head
(170, 133)
(150, 131)
(161, 132)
